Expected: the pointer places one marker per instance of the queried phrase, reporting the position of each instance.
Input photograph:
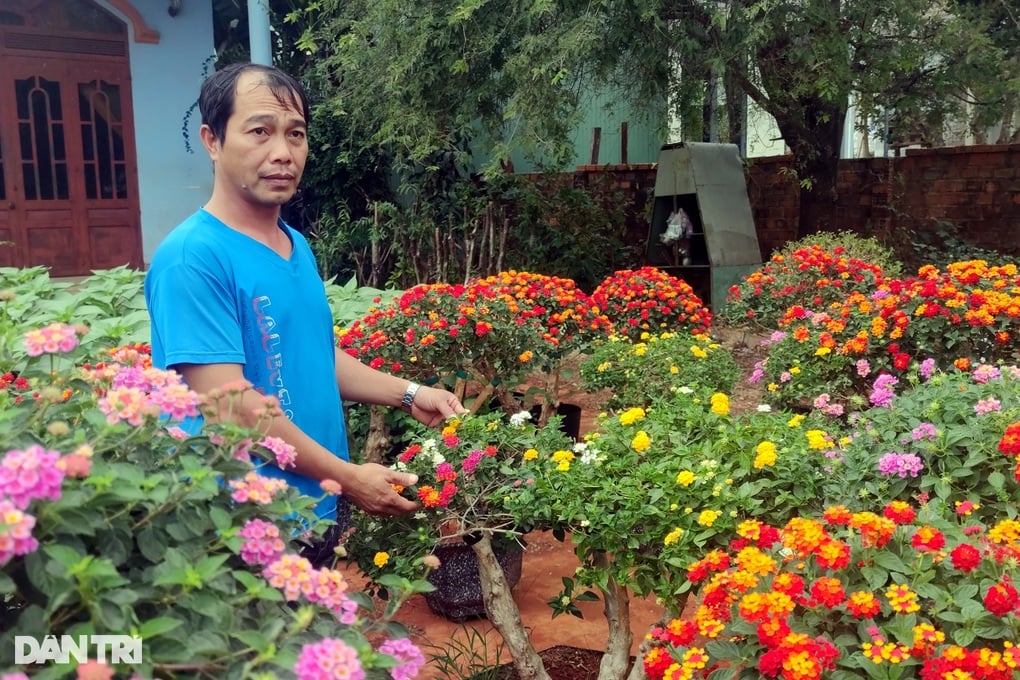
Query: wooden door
(68, 173)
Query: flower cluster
(961, 316)
(814, 273)
(635, 372)
(468, 475)
(924, 437)
(648, 300)
(852, 592)
(494, 330)
(138, 513)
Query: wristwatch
(408, 399)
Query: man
(234, 294)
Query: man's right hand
(371, 489)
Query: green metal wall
(645, 133)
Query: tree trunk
(815, 135)
(504, 614)
(818, 202)
(378, 440)
(617, 655)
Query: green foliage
(572, 232)
(680, 474)
(466, 476)
(350, 302)
(952, 422)
(466, 654)
(944, 245)
(108, 307)
(635, 372)
(129, 525)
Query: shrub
(636, 372)
(881, 593)
(116, 521)
(648, 300)
(966, 313)
(493, 331)
(937, 435)
(813, 272)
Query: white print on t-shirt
(272, 358)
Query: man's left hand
(431, 406)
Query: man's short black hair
(216, 102)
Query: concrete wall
(166, 77)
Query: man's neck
(255, 221)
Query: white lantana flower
(520, 418)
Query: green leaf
(254, 639)
(964, 636)
(221, 519)
(890, 562)
(65, 556)
(150, 545)
(990, 627)
(158, 626)
(996, 480)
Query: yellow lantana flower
(631, 415)
(380, 559)
(641, 441)
(766, 455)
(720, 404)
(685, 478)
(707, 518)
(673, 536)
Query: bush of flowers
(678, 473)
(815, 272)
(893, 592)
(964, 315)
(940, 435)
(468, 475)
(634, 371)
(113, 520)
(648, 300)
(492, 332)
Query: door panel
(71, 191)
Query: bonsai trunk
(504, 614)
(378, 440)
(617, 656)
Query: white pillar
(259, 34)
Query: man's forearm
(313, 460)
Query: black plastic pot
(458, 593)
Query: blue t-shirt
(218, 296)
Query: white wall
(165, 81)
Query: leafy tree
(509, 75)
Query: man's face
(263, 153)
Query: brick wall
(976, 188)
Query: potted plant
(467, 477)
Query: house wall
(165, 81)
(976, 188)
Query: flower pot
(458, 593)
